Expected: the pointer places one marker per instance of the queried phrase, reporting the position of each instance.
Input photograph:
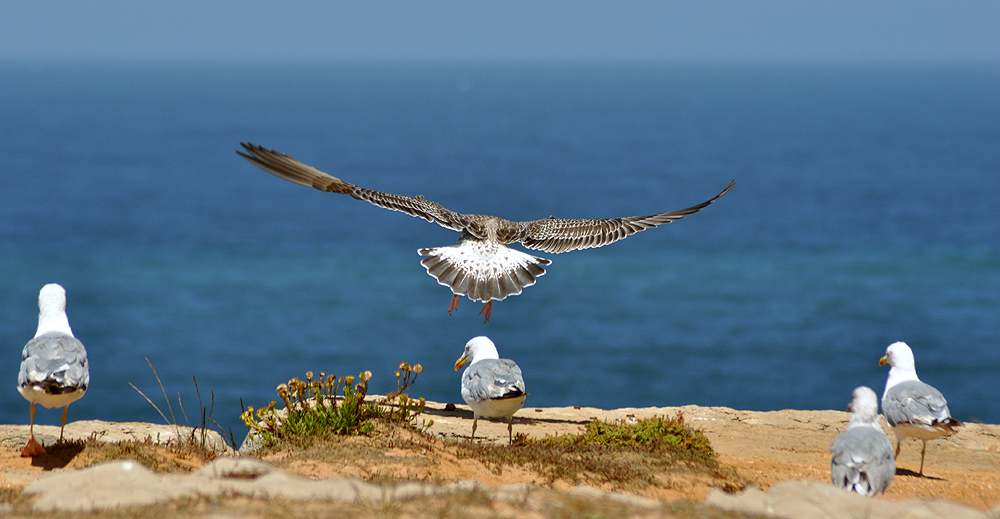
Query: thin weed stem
(165, 397)
(180, 404)
(150, 402)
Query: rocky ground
(766, 449)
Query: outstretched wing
(283, 166)
(557, 235)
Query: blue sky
(539, 30)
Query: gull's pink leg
(487, 310)
(454, 304)
(922, 452)
(33, 448)
(63, 423)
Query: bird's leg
(510, 430)
(899, 443)
(487, 309)
(33, 448)
(454, 304)
(475, 422)
(922, 452)
(63, 427)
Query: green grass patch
(667, 436)
(627, 456)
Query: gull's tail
(483, 275)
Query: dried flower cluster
(315, 406)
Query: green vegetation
(668, 436)
(627, 456)
(329, 405)
(321, 415)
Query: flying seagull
(492, 386)
(862, 455)
(54, 371)
(481, 266)
(913, 408)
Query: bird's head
(477, 349)
(898, 355)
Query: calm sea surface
(865, 213)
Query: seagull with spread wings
(481, 266)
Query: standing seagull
(912, 408)
(54, 368)
(862, 455)
(492, 386)
(481, 266)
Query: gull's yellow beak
(883, 361)
(463, 360)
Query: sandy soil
(765, 448)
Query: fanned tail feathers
(468, 270)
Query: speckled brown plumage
(481, 266)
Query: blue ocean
(865, 212)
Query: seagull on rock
(54, 371)
(862, 455)
(481, 266)
(492, 386)
(912, 408)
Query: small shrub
(669, 436)
(624, 455)
(399, 407)
(315, 407)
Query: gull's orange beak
(463, 360)
(883, 361)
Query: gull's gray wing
(862, 461)
(492, 379)
(914, 402)
(55, 361)
(557, 235)
(283, 166)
